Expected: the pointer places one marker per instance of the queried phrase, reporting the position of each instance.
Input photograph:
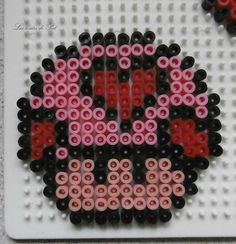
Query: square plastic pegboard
(33, 28)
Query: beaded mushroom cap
(119, 128)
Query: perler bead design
(224, 12)
(119, 128)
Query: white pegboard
(34, 27)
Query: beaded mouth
(119, 128)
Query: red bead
(99, 89)
(137, 76)
(99, 77)
(37, 127)
(111, 76)
(124, 88)
(111, 89)
(37, 140)
(149, 75)
(125, 113)
(111, 101)
(37, 152)
(137, 88)
(124, 101)
(137, 100)
(149, 88)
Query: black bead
(150, 151)
(161, 76)
(174, 50)
(101, 217)
(49, 178)
(214, 125)
(100, 164)
(61, 127)
(113, 217)
(49, 152)
(149, 37)
(73, 52)
(161, 50)
(49, 114)
(177, 164)
(99, 101)
(214, 138)
(200, 125)
(139, 176)
(24, 127)
(88, 216)
(101, 152)
(163, 124)
(137, 113)
(37, 165)
(24, 141)
(191, 189)
(60, 52)
(201, 163)
(36, 78)
(111, 114)
(62, 165)
(178, 202)
(213, 111)
(188, 112)
(62, 204)
(86, 77)
(136, 37)
(213, 99)
(138, 152)
(86, 90)
(123, 39)
(164, 215)
(149, 101)
(216, 150)
(49, 191)
(138, 165)
(98, 38)
(126, 216)
(163, 151)
(163, 138)
(88, 152)
(176, 150)
(23, 115)
(62, 140)
(231, 27)
(201, 87)
(152, 216)
(123, 76)
(48, 64)
(100, 176)
(111, 63)
(188, 163)
(136, 62)
(190, 176)
(221, 14)
(113, 151)
(50, 166)
(208, 4)
(148, 62)
(140, 216)
(36, 90)
(176, 112)
(23, 153)
(36, 114)
(23, 103)
(85, 39)
(126, 151)
(125, 125)
(75, 217)
(187, 63)
(200, 75)
(110, 38)
(163, 87)
(98, 63)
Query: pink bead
(125, 138)
(61, 178)
(61, 153)
(138, 126)
(87, 178)
(164, 164)
(100, 127)
(60, 77)
(152, 177)
(87, 127)
(201, 112)
(75, 178)
(176, 87)
(85, 51)
(124, 63)
(163, 100)
(125, 165)
(73, 76)
(87, 140)
(74, 140)
(188, 99)
(101, 204)
(139, 203)
(137, 49)
(85, 63)
(151, 164)
(73, 114)
(165, 190)
(60, 64)
(86, 102)
(48, 77)
(86, 114)
(88, 165)
(73, 89)
(113, 203)
(126, 190)
(126, 177)
(87, 191)
(125, 50)
(73, 64)
(188, 75)
(113, 190)
(88, 204)
(139, 190)
(61, 89)
(98, 51)
(152, 190)
(61, 114)
(152, 203)
(113, 164)
(178, 190)
(62, 192)
(112, 126)
(112, 139)
(189, 87)
(174, 62)
(150, 138)
(178, 176)
(113, 177)
(60, 102)
(165, 202)
(48, 89)
(36, 102)
(151, 125)
(162, 113)
(165, 177)
(138, 138)
(74, 127)
(176, 75)
(163, 62)
(74, 165)
(176, 99)
(74, 191)
(98, 113)
(150, 113)
(100, 190)
(74, 102)
(100, 139)
(201, 99)
(111, 50)
(127, 202)
(48, 102)
(149, 49)
(74, 205)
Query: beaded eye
(119, 128)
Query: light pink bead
(188, 75)
(61, 178)
(163, 113)
(88, 204)
(189, 87)
(61, 89)
(125, 50)
(152, 203)
(149, 49)
(85, 63)
(112, 126)
(113, 164)
(111, 50)
(60, 77)
(100, 139)
(61, 114)
(165, 177)
(100, 190)
(73, 64)
(60, 64)
(176, 75)
(88, 165)
(85, 51)
(138, 138)
(124, 63)
(87, 178)
(62, 192)
(74, 102)
(165, 190)
(101, 204)
(87, 191)
(152, 177)
(36, 102)
(174, 62)
(74, 205)
(163, 100)
(98, 113)
(74, 127)
(125, 138)
(150, 138)
(151, 164)
(87, 127)
(113, 177)
(112, 139)
(178, 176)
(151, 125)
(113, 203)
(127, 202)
(164, 164)
(75, 178)
(163, 62)
(74, 140)
(165, 202)
(176, 99)
(125, 165)
(75, 191)
(48, 77)
(139, 203)
(74, 165)
(60, 102)
(178, 190)
(100, 127)
(87, 139)
(150, 113)
(176, 87)
(201, 112)
(86, 114)
(73, 76)
(126, 177)
(98, 50)
(48, 89)
(139, 190)
(113, 190)
(126, 190)
(86, 102)
(138, 126)
(137, 49)
(188, 99)
(201, 99)
(73, 114)
(48, 102)
(61, 153)
(73, 89)
(152, 190)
